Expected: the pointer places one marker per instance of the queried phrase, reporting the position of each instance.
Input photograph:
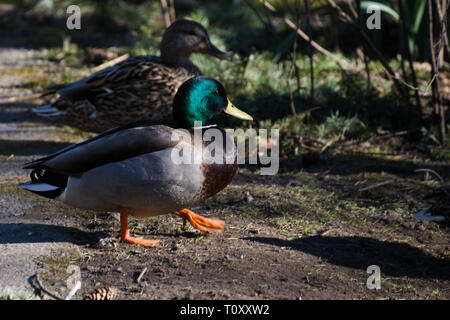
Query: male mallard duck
(139, 88)
(133, 169)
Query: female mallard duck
(134, 169)
(139, 88)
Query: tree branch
(394, 76)
(437, 101)
(341, 61)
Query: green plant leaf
(384, 8)
(415, 17)
(419, 8)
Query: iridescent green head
(199, 99)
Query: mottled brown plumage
(140, 88)
(216, 176)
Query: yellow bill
(235, 112)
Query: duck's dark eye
(216, 92)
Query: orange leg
(199, 222)
(125, 233)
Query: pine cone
(103, 293)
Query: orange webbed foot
(199, 222)
(125, 233)
(140, 241)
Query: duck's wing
(114, 145)
(138, 88)
(103, 81)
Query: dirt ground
(310, 232)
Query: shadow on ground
(351, 164)
(394, 259)
(39, 233)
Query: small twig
(141, 275)
(310, 52)
(392, 74)
(362, 200)
(172, 13)
(297, 71)
(353, 11)
(304, 146)
(357, 183)
(395, 76)
(436, 101)
(365, 57)
(315, 45)
(434, 139)
(165, 13)
(442, 18)
(376, 185)
(394, 134)
(288, 78)
(330, 142)
(110, 63)
(405, 28)
(431, 171)
(371, 153)
(309, 110)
